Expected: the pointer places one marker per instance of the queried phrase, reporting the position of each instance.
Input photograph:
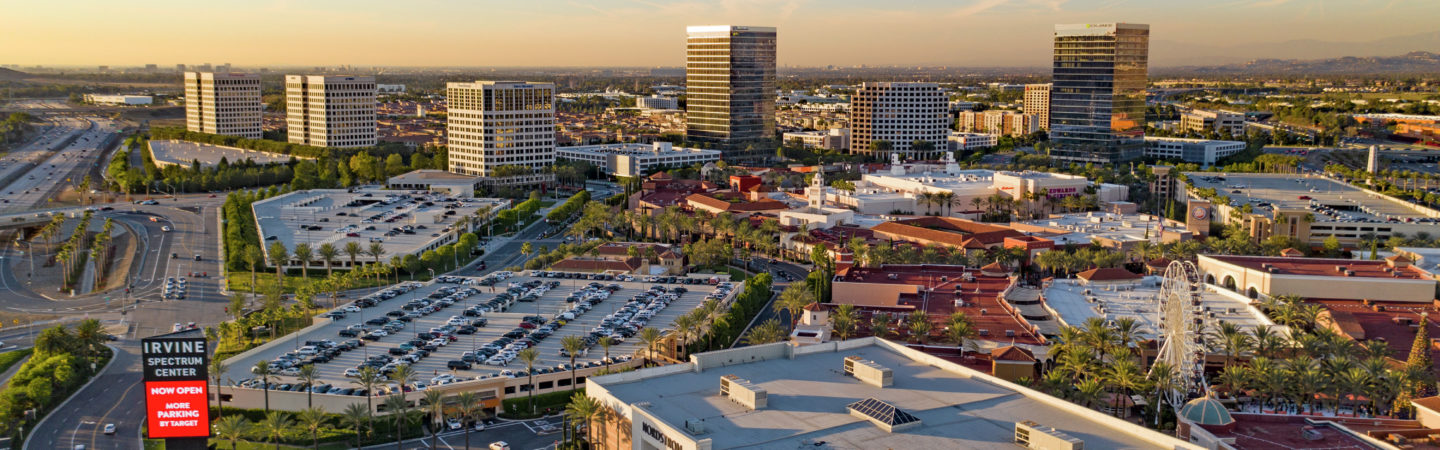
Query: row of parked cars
(174, 288)
(290, 363)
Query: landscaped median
(62, 362)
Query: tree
(794, 299)
(843, 321)
(308, 375)
(253, 257)
(529, 355)
(920, 325)
(311, 419)
(217, 370)
(572, 345)
(766, 332)
(232, 429)
(470, 409)
(376, 250)
(368, 380)
(356, 415)
(959, 329)
(650, 336)
(262, 370)
(605, 343)
(583, 408)
(328, 253)
(880, 325)
(353, 250)
(400, 409)
(275, 425)
(305, 256)
(435, 402)
(279, 255)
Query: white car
(165, 228)
(352, 309)
(293, 371)
(109, 429)
(454, 424)
(352, 373)
(379, 333)
(499, 445)
(443, 379)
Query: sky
(967, 33)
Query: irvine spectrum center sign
(176, 401)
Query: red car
(1304, 197)
(527, 325)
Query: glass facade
(1097, 103)
(730, 89)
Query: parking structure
(463, 328)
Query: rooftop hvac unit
(695, 426)
(868, 372)
(740, 390)
(1033, 435)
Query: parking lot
(543, 296)
(1328, 199)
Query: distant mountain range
(1413, 62)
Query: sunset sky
(652, 32)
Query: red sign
(177, 409)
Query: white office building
(223, 103)
(964, 142)
(128, 100)
(901, 114)
(1199, 151)
(390, 88)
(636, 160)
(330, 111)
(494, 124)
(832, 139)
(657, 102)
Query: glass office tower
(1097, 103)
(730, 89)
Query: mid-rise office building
(904, 115)
(1097, 101)
(964, 142)
(1037, 102)
(997, 122)
(832, 139)
(330, 111)
(494, 124)
(223, 103)
(730, 89)
(657, 102)
(637, 160)
(1204, 152)
(1221, 122)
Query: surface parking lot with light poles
(547, 305)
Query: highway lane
(115, 396)
(65, 166)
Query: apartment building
(832, 139)
(1007, 123)
(1037, 102)
(223, 103)
(1221, 122)
(730, 89)
(330, 111)
(964, 142)
(494, 124)
(904, 115)
(1199, 151)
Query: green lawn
(8, 359)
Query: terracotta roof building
(1319, 278)
(947, 232)
(1108, 275)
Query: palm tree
(1357, 382)
(308, 375)
(572, 345)
(766, 332)
(686, 326)
(254, 257)
(376, 251)
(844, 321)
(529, 356)
(262, 370)
(880, 326)
(583, 408)
(356, 415)
(279, 255)
(470, 408)
(400, 408)
(920, 325)
(353, 250)
(311, 419)
(218, 369)
(405, 375)
(1125, 373)
(328, 253)
(1234, 340)
(794, 299)
(231, 429)
(1088, 391)
(368, 380)
(435, 402)
(650, 336)
(605, 343)
(275, 425)
(305, 256)
(960, 329)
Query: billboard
(176, 401)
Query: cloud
(977, 7)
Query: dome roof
(1206, 411)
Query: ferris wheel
(1182, 331)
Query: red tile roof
(719, 201)
(1108, 274)
(947, 231)
(1324, 267)
(1012, 353)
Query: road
(49, 169)
(115, 396)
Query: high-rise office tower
(223, 103)
(495, 124)
(330, 111)
(730, 89)
(899, 117)
(1097, 103)
(1037, 102)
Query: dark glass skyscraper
(730, 89)
(1097, 104)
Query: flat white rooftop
(185, 153)
(1073, 303)
(808, 395)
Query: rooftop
(1329, 200)
(947, 230)
(1321, 267)
(935, 289)
(808, 396)
(185, 153)
(634, 149)
(1075, 303)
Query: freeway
(59, 167)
